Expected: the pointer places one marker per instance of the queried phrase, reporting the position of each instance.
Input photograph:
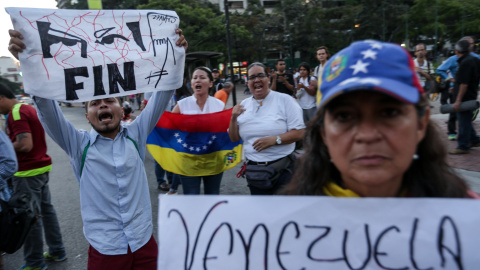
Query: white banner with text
(314, 232)
(80, 55)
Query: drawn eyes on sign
(102, 32)
(110, 39)
(107, 39)
(48, 36)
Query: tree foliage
(303, 25)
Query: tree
(455, 19)
(106, 4)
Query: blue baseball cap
(370, 65)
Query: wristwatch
(279, 140)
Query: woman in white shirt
(306, 87)
(269, 123)
(200, 103)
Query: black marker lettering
(412, 250)
(369, 248)
(278, 252)
(376, 253)
(246, 246)
(206, 257)
(457, 255)
(187, 246)
(127, 81)
(47, 39)
(310, 247)
(137, 34)
(99, 90)
(70, 84)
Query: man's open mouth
(105, 117)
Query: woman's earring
(415, 156)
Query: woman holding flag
(200, 103)
(269, 123)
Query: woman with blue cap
(371, 136)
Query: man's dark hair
(279, 60)
(323, 48)
(462, 46)
(421, 44)
(6, 92)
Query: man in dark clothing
(465, 89)
(217, 82)
(280, 80)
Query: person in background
(465, 88)
(217, 82)
(139, 99)
(282, 81)
(132, 99)
(296, 73)
(28, 138)
(224, 93)
(322, 56)
(371, 135)
(447, 71)
(424, 68)
(306, 90)
(269, 123)
(8, 166)
(200, 103)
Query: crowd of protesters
(364, 123)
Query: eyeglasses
(259, 75)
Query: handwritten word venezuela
(220, 241)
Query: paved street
(64, 188)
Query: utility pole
(227, 20)
(436, 38)
(407, 43)
(383, 16)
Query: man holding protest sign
(108, 161)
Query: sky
(6, 23)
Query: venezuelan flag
(194, 145)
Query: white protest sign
(304, 232)
(80, 55)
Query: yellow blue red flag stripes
(194, 145)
